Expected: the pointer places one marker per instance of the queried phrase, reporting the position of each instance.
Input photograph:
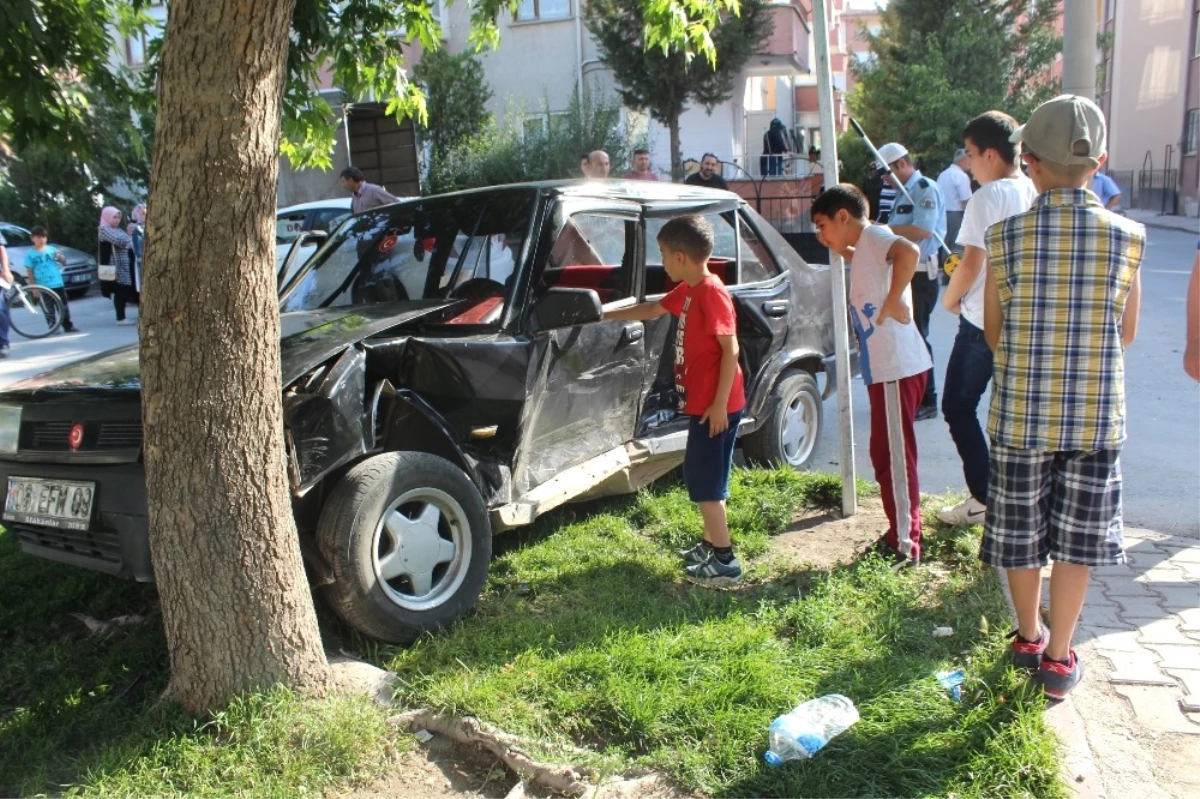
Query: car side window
(757, 262)
(327, 219)
(591, 252)
(721, 263)
(289, 226)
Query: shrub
(508, 152)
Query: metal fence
(1157, 190)
(787, 213)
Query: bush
(506, 153)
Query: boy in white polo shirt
(1006, 192)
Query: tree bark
(235, 601)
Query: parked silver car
(79, 273)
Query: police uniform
(928, 212)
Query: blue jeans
(967, 376)
(5, 323)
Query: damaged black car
(447, 376)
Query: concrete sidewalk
(1132, 727)
(1188, 224)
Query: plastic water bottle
(803, 732)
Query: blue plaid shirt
(1064, 269)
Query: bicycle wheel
(39, 316)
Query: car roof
(644, 191)
(333, 202)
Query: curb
(1152, 222)
(1078, 767)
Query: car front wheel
(791, 424)
(408, 539)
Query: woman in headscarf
(116, 251)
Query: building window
(530, 10)
(135, 49)
(1191, 137)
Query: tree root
(561, 779)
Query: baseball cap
(1068, 130)
(892, 152)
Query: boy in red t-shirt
(709, 381)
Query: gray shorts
(1062, 506)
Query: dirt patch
(440, 769)
(823, 539)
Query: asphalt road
(1161, 458)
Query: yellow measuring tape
(952, 262)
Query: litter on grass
(952, 681)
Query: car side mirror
(566, 307)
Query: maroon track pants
(894, 456)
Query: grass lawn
(586, 634)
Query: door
(585, 382)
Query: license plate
(50, 503)
(77, 278)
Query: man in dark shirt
(707, 176)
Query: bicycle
(33, 311)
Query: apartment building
(1150, 94)
(546, 53)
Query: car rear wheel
(408, 539)
(791, 424)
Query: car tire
(408, 539)
(791, 424)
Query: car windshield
(15, 236)
(447, 248)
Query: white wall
(1150, 60)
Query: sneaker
(969, 511)
(714, 572)
(927, 412)
(1028, 654)
(696, 554)
(1057, 679)
(126, 322)
(889, 553)
(3, 352)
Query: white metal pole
(1079, 48)
(837, 270)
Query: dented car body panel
(416, 327)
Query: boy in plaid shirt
(1060, 306)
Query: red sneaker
(1057, 679)
(1028, 654)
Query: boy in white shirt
(892, 355)
(1006, 192)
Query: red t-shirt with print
(705, 311)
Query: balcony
(786, 49)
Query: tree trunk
(676, 154)
(235, 601)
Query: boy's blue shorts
(708, 459)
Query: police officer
(918, 221)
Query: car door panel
(585, 382)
